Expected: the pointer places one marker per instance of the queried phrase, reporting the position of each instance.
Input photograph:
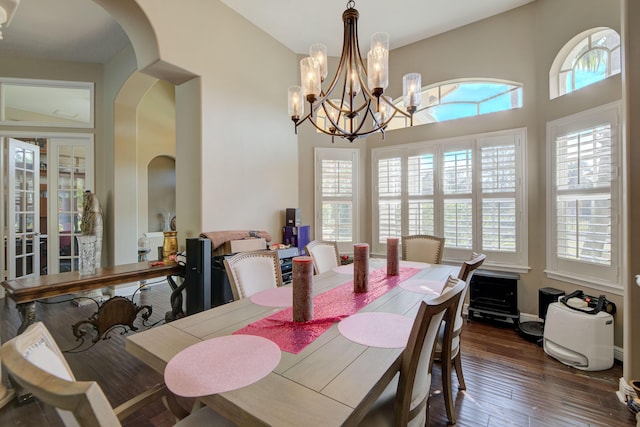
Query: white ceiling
(298, 23)
(80, 30)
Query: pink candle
(361, 267)
(392, 256)
(302, 289)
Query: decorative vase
(392, 256)
(361, 267)
(169, 245)
(86, 254)
(302, 289)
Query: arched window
(589, 57)
(455, 99)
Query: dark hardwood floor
(510, 381)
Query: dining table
(330, 379)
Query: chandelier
(7, 9)
(363, 108)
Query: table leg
(176, 300)
(27, 314)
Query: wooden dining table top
(331, 382)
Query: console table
(25, 291)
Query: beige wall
(519, 45)
(554, 30)
(245, 170)
(156, 137)
(631, 84)
(239, 163)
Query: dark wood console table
(25, 291)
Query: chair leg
(446, 390)
(457, 364)
(426, 417)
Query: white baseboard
(624, 390)
(527, 317)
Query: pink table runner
(329, 307)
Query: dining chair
(35, 362)
(423, 248)
(466, 271)
(252, 272)
(405, 400)
(325, 255)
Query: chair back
(423, 248)
(466, 271)
(324, 255)
(35, 362)
(417, 360)
(252, 272)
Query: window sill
(600, 285)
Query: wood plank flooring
(510, 381)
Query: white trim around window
(470, 189)
(584, 199)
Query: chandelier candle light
(362, 109)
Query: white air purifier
(579, 339)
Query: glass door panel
(69, 159)
(23, 182)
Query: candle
(392, 256)
(360, 267)
(302, 289)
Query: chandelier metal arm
(344, 117)
(343, 58)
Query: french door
(45, 183)
(23, 239)
(70, 174)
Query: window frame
(49, 84)
(331, 153)
(516, 261)
(557, 72)
(423, 116)
(604, 278)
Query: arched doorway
(161, 193)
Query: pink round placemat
(386, 330)
(221, 364)
(423, 286)
(276, 297)
(414, 264)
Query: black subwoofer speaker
(545, 297)
(198, 275)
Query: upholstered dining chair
(405, 400)
(252, 272)
(423, 248)
(325, 255)
(35, 362)
(466, 271)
